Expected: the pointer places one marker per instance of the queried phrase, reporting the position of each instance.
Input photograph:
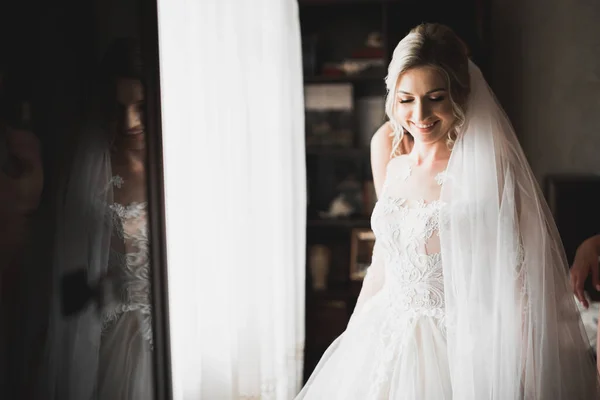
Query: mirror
(79, 128)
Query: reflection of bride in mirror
(467, 294)
(102, 348)
(125, 368)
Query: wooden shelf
(340, 223)
(337, 152)
(345, 78)
(344, 2)
(328, 295)
(347, 292)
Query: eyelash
(434, 99)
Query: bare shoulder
(381, 142)
(381, 150)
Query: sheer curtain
(235, 188)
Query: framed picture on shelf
(329, 115)
(361, 252)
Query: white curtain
(235, 187)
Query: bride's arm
(381, 149)
(372, 283)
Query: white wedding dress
(498, 321)
(125, 362)
(395, 344)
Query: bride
(467, 294)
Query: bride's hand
(586, 262)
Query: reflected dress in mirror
(100, 335)
(125, 362)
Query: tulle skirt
(125, 369)
(385, 353)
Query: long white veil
(514, 331)
(84, 225)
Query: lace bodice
(129, 264)
(406, 225)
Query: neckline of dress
(440, 177)
(413, 204)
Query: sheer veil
(514, 331)
(82, 244)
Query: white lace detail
(130, 270)
(405, 173)
(414, 279)
(116, 181)
(408, 244)
(441, 177)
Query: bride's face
(423, 104)
(130, 97)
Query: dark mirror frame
(155, 177)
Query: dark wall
(546, 63)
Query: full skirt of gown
(385, 353)
(126, 371)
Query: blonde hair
(436, 46)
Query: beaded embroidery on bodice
(129, 264)
(407, 240)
